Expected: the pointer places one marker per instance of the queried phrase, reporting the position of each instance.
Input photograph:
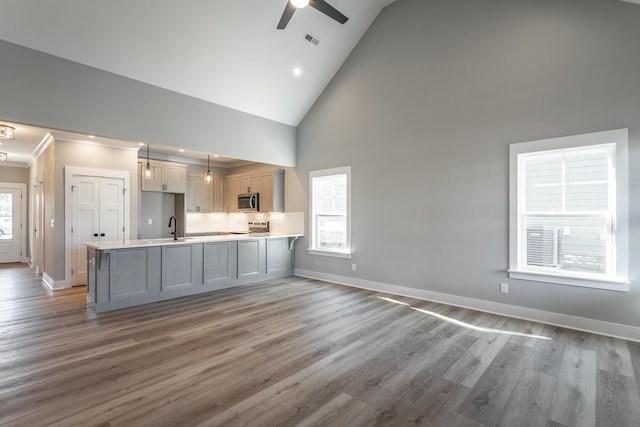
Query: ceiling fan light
(300, 3)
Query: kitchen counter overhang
(133, 272)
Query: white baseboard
(53, 284)
(584, 324)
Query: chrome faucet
(175, 227)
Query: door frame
(69, 173)
(23, 217)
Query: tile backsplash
(279, 222)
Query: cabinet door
(155, 181)
(220, 263)
(278, 257)
(252, 256)
(193, 194)
(232, 198)
(266, 192)
(175, 179)
(254, 183)
(218, 195)
(245, 184)
(206, 196)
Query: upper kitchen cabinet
(268, 184)
(204, 197)
(199, 194)
(165, 177)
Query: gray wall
(15, 174)
(48, 91)
(424, 111)
(157, 207)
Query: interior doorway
(97, 209)
(12, 222)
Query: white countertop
(118, 244)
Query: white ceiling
(226, 52)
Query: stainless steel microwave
(248, 202)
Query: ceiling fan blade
(286, 16)
(328, 10)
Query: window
(330, 193)
(568, 210)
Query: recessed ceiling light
(92, 136)
(181, 150)
(141, 144)
(216, 155)
(297, 71)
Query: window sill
(610, 285)
(335, 254)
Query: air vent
(310, 38)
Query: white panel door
(10, 225)
(86, 223)
(98, 215)
(111, 209)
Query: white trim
(47, 140)
(53, 284)
(609, 285)
(620, 138)
(584, 324)
(23, 216)
(343, 170)
(335, 254)
(69, 173)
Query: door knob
(101, 234)
(95, 234)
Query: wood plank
(617, 400)
(574, 401)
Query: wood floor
(299, 352)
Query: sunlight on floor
(464, 324)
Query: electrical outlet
(504, 288)
(149, 221)
(353, 266)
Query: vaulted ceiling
(226, 52)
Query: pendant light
(208, 177)
(148, 172)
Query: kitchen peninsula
(135, 272)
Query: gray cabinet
(278, 257)
(129, 276)
(252, 256)
(220, 263)
(180, 267)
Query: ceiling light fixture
(297, 71)
(92, 136)
(3, 157)
(7, 132)
(148, 172)
(300, 3)
(208, 177)
(181, 150)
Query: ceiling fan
(321, 5)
